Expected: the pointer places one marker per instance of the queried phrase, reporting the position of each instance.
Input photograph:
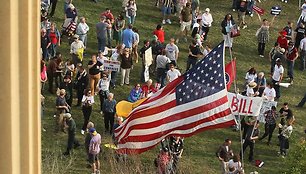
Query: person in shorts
(94, 150)
(185, 20)
(166, 10)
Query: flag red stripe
(138, 151)
(175, 117)
(147, 137)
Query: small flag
(230, 73)
(258, 10)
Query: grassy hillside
(199, 152)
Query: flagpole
(239, 117)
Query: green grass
(199, 152)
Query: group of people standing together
(89, 80)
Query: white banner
(111, 65)
(266, 105)
(248, 106)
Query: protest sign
(111, 65)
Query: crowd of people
(91, 80)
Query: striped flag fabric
(192, 103)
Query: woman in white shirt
(87, 102)
(207, 20)
(269, 92)
(250, 75)
(82, 30)
(103, 88)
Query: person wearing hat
(94, 150)
(207, 20)
(282, 39)
(72, 142)
(81, 82)
(291, 55)
(303, 53)
(250, 90)
(76, 50)
(277, 77)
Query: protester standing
(82, 31)
(109, 111)
(87, 102)
(291, 55)
(224, 154)
(81, 83)
(270, 118)
(227, 25)
(277, 77)
(94, 67)
(207, 20)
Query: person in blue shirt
(109, 111)
(135, 93)
(128, 37)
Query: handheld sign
(276, 10)
(111, 65)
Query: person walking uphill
(72, 142)
(109, 111)
(94, 150)
(224, 154)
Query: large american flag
(194, 102)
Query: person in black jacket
(224, 153)
(227, 24)
(72, 142)
(53, 4)
(67, 85)
(81, 83)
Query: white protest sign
(248, 106)
(111, 65)
(146, 74)
(148, 57)
(266, 105)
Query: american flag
(193, 102)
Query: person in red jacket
(282, 39)
(160, 33)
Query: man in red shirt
(160, 33)
(291, 56)
(109, 20)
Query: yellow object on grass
(111, 146)
(124, 108)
